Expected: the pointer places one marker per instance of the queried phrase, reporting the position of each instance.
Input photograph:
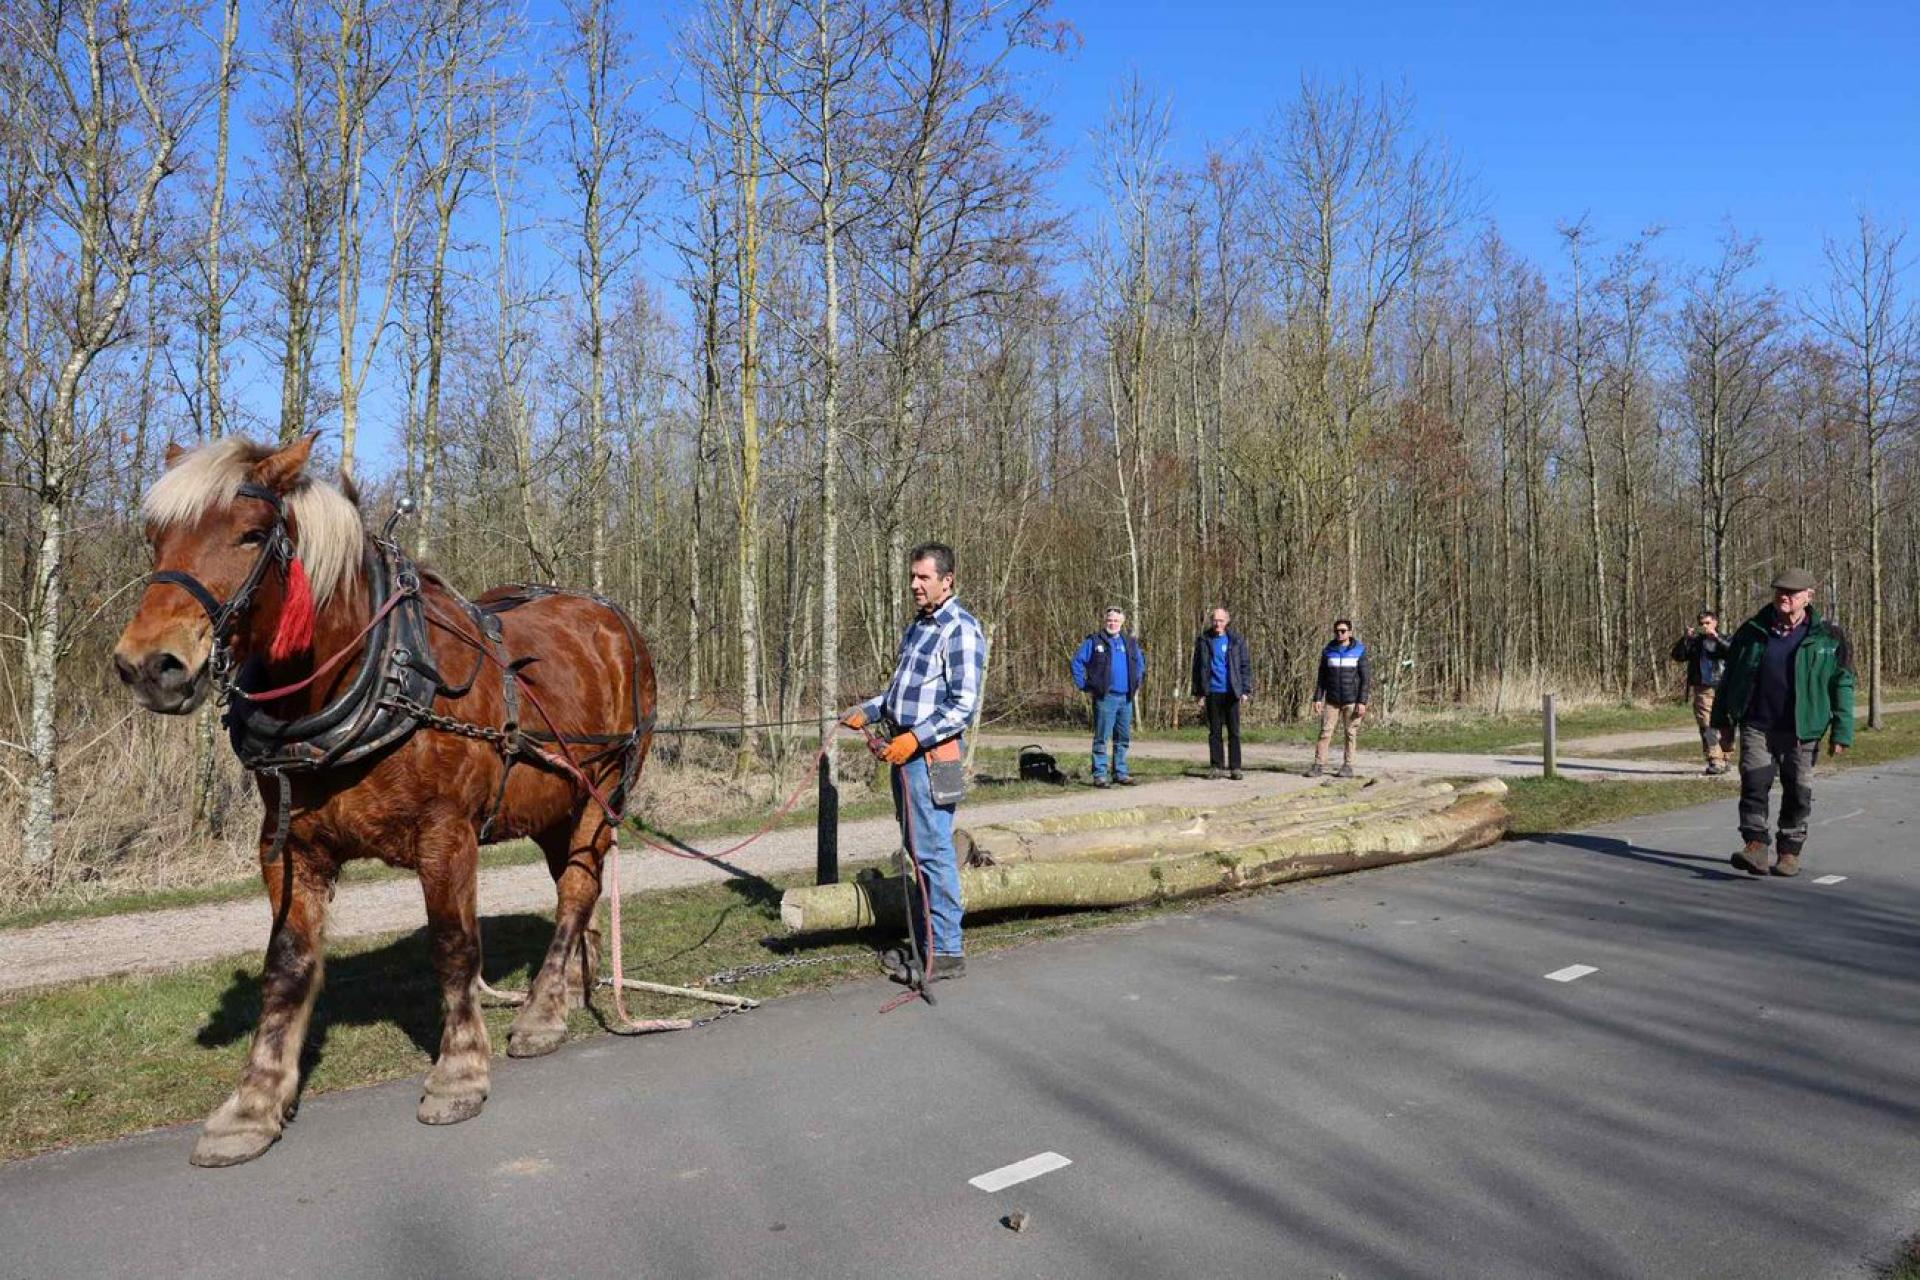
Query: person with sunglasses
(1340, 696)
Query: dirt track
(150, 941)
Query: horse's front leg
(252, 1117)
(449, 866)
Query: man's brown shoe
(1787, 865)
(1753, 859)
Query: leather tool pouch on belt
(946, 773)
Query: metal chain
(741, 973)
(432, 719)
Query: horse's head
(226, 522)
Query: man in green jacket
(1788, 683)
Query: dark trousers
(1223, 713)
(1763, 755)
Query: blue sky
(1784, 117)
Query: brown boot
(1753, 858)
(1788, 864)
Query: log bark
(1474, 821)
(1168, 830)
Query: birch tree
(608, 184)
(116, 107)
(1868, 316)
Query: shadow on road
(1702, 866)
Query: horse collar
(369, 714)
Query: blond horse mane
(328, 534)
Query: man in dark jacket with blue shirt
(1223, 680)
(1108, 668)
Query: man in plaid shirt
(927, 706)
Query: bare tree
(734, 47)
(962, 158)
(608, 185)
(1729, 336)
(1584, 336)
(364, 57)
(212, 318)
(828, 92)
(1363, 207)
(1630, 292)
(455, 83)
(1132, 147)
(117, 109)
(1867, 315)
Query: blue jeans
(1112, 718)
(929, 836)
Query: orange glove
(901, 749)
(854, 719)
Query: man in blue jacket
(1107, 669)
(1223, 681)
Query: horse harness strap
(224, 615)
(392, 694)
(513, 738)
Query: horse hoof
(535, 1044)
(445, 1109)
(235, 1146)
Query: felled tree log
(1476, 818)
(1169, 831)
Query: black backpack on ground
(1038, 766)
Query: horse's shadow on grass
(393, 984)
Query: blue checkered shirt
(936, 686)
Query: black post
(827, 832)
(1550, 739)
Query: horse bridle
(225, 616)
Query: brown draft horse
(240, 533)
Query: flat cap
(1793, 580)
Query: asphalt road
(1365, 1076)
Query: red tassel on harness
(295, 634)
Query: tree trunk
(1473, 823)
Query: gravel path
(1607, 743)
(152, 941)
(1072, 749)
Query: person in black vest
(1340, 696)
(1223, 680)
(1108, 668)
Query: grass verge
(1905, 1266)
(1897, 738)
(100, 1059)
(1544, 806)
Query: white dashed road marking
(1020, 1171)
(1571, 972)
(1829, 879)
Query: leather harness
(391, 696)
